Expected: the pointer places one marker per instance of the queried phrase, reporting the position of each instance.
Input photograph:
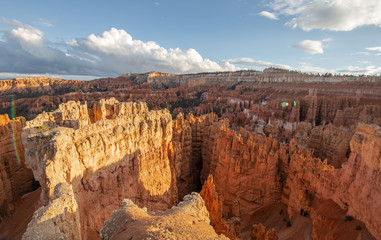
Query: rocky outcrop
(252, 171)
(243, 97)
(359, 187)
(188, 220)
(244, 166)
(40, 85)
(355, 187)
(58, 220)
(108, 150)
(15, 179)
(127, 153)
(213, 203)
(325, 142)
(188, 141)
(259, 232)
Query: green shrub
(289, 224)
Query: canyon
(274, 155)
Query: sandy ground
(270, 216)
(15, 227)
(301, 229)
(333, 228)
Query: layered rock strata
(252, 171)
(15, 179)
(188, 141)
(188, 220)
(244, 166)
(213, 203)
(355, 187)
(111, 151)
(127, 155)
(58, 220)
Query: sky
(91, 39)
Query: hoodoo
(266, 166)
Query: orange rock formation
(285, 142)
(15, 179)
(111, 159)
(213, 203)
(188, 220)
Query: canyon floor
(240, 155)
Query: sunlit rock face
(125, 153)
(188, 220)
(113, 151)
(40, 85)
(58, 220)
(15, 178)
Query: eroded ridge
(188, 220)
(125, 153)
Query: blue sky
(88, 39)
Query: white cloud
(361, 53)
(10, 75)
(72, 43)
(119, 51)
(310, 46)
(334, 15)
(31, 40)
(376, 49)
(110, 54)
(44, 23)
(364, 62)
(268, 15)
(369, 70)
(306, 67)
(248, 62)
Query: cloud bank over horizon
(25, 51)
(114, 52)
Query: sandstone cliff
(252, 171)
(213, 203)
(244, 166)
(40, 85)
(126, 153)
(188, 141)
(15, 179)
(188, 220)
(58, 220)
(243, 97)
(108, 151)
(355, 187)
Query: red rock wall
(244, 166)
(355, 187)
(213, 203)
(15, 179)
(188, 142)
